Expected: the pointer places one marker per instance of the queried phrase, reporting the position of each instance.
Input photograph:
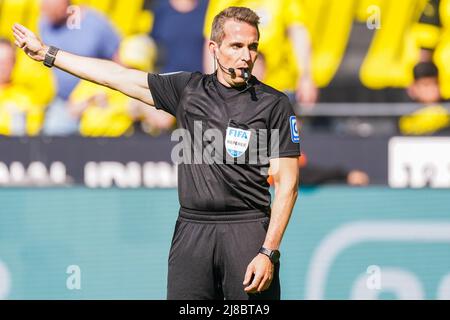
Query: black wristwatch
(50, 56)
(274, 255)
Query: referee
(226, 239)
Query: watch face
(275, 256)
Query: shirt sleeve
(167, 89)
(283, 123)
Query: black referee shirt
(237, 183)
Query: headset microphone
(245, 72)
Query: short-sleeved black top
(246, 122)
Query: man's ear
(213, 47)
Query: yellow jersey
(111, 120)
(18, 114)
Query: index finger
(248, 276)
(254, 285)
(22, 29)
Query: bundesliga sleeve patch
(295, 137)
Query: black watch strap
(274, 255)
(50, 56)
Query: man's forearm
(95, 70)
(281, 212)
(131, 82)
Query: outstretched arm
(131, 82)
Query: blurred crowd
(313, 50)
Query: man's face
(239, 50)
(55, 10)
(426, 90)
(7, 60)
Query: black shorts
(210, 254)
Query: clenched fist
(29, 42)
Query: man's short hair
(425, 70)
(240, 14)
